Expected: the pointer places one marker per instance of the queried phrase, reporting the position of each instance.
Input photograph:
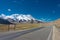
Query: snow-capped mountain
(18, 18)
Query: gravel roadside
(56, 34)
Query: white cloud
(58, 5)
(9, 9)
(45, 19)
(2, 15)
(48, 20)
(14, 1)
(42, 19)
(53, 11)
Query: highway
(44, 33)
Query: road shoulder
(56, 34)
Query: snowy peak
(17, 16)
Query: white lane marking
(49, 35)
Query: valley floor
(4, 28)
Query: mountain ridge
(19, 18)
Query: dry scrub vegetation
(57, 23)
(19, 26)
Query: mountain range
(18, 18)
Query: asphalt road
(33, 34)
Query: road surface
(33, 34)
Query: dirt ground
(56, 34)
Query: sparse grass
(26, 26)
(19, 26)
(3, 27)
(58, 26)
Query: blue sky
(41, 9)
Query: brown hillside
(56, 23)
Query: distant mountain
(55, 22)
(4, 21)
(18, 18)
